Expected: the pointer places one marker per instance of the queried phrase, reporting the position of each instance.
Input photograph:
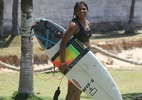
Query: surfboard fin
(57, 93)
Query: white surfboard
(84, 69)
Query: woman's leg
(73, 92)
(77, 95)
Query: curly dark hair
(76, 5)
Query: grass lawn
(128, 81)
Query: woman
(79, 27)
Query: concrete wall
(61, 11)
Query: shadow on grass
(114, 34)
(7, 43)
(23, 96)
(132, 96)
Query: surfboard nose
(46, 32)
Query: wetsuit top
(83, 35)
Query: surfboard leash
(42, 78)
(58, 91)
(56, 94)
(53, 75)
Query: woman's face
(81, 11)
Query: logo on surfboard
(76, 83)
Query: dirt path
(132, 54)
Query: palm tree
(1, 17)
(129, 25)
(14, 28)
(26, 65)
(15, 18)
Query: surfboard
(84, 70)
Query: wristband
(62, 63)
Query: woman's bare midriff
(87, 44)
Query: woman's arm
(72, 28)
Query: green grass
(14, 47)
(128, 81)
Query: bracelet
(62, 63)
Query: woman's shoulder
(73, 23)
(73, 26)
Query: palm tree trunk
(15, 18)
(26, 65)
(131, 16)
(129, 24)
(1, 17)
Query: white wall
(61, 11)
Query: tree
(129, 26)
(14, 29)
(26, 64)
(1, 17)
(15, 18)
